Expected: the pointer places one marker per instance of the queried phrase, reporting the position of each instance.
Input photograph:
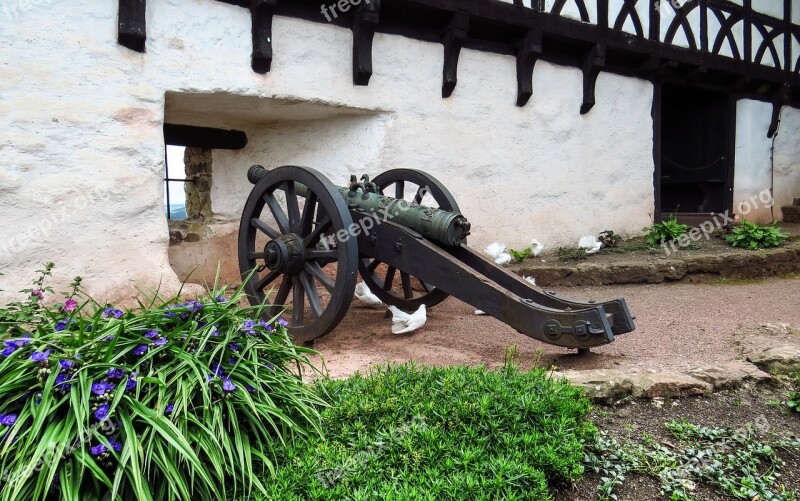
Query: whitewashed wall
(82, 147)
(754, 175)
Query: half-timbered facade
(545, 118)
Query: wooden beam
(204, 137)
(261, 13)
(780, 98)
(132, 24)
(452, 40)
(528, 53)
(365, 21)
(593, 62)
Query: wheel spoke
(311, 239)
(277, 212)
(292, 207)
(399, 190)
(266, 280)
(373, 265)
(387, 282)
(311, 293)
(420, 194)
(406, 279)
(315, 271)
(427, 288)
(315, 254)
(298, 303)
(265, 228)
(255, 255)
(283, 291)
(309, 209)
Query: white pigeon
(530, 280)
(536, 248)
(403, 323)
(365, 295)
(496, 251)
(590, 243)
(480, 312)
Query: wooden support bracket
(780, 97)
(132, 24)
(261, 12)
(527, 55)
(365, 21)
(453, 39)
(593, 62)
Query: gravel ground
(678, 326)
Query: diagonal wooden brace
(453, 40)
(365, 22)
(527, 55)
(593, 62)
(261, 12)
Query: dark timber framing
(204, 137)
(534, 33)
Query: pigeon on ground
(530, 280)
(497, 252)
(365, 295)
(590, 243)
(480, 312)
(403, 323)
(536, 248)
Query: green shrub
(665, 231)
(171, 400)
(793, 398)
(755, 236)
(408, 432)
(567, 254)
(519, 255)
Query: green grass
(410, 432)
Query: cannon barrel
(440, 226)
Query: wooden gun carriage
(308, 240)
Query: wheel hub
(285, 254)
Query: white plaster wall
(753, 176)
(787, 160)
(80, 113)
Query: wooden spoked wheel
(394, 286)
(287, 253)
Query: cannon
(307, 241)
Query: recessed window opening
(175, 188)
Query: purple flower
(194, 306)
(66, 364)
(227, 385)
(233, 346)
(220, 299)
(140, 350)
(130, 385)
(70, 305)
(169, 409)
(115, 373)
(8, 419)
(40, 356)
(8, 351)
(61, 325)
(216, 369)
(38, 293)
(270, 367)
(102, 387)
(283, 322)
(249, 327)
(160, 341)
(151, 334)
(111, 312)
(101, 412)
(249, 388)
(98, 449)
(117, 446)
(61, 383)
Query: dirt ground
(678, 326)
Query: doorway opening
(695, 153)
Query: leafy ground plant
(665, 231)
(609, 239)
(735, 463)
(519, 256)
(568, 254)
(410, 432)
(753, 236)
(793, 397)
(173, 400)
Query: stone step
(791, 213)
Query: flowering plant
(172, 399)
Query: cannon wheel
(428, 191)
(291, 209)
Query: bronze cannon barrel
(440, 226)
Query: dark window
(174, 183)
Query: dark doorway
(694, 168)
